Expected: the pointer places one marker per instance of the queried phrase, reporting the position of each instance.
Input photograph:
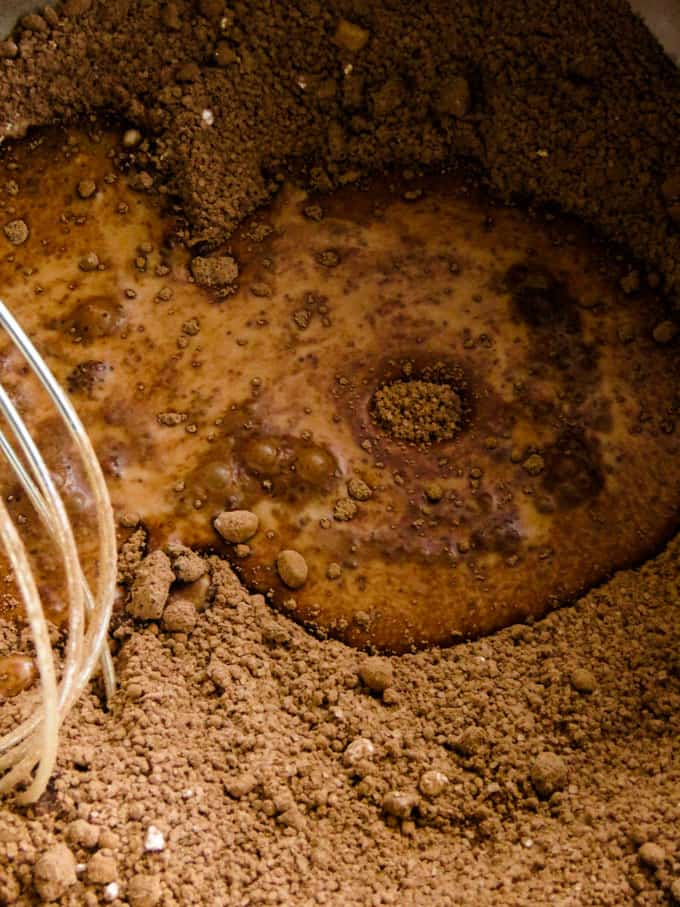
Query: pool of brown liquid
(450, 408)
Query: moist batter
(447, 408)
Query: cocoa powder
(242, 760)
(571, 103)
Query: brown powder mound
(246, 762)
(571, 102)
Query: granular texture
(419, 412)
(247, 762)
(572, 103)
(244, 761)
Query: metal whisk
(28, 753)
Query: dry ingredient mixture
(557, 101)
(244, 761)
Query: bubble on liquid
(96, 318)
(315, 465)
(261, 455)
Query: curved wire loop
(28, 752)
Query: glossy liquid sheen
(565, 463)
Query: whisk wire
(34, 742)
(47, 519)
(44, 749)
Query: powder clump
(418, 412)
(151, 586)
(214, 272)
(292, 568)
(237, 526)
(54, 872)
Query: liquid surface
(449, 409)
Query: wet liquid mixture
(450, 410)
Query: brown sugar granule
(344, 509)
(144, 890)
(129, 520)
(8, 50)
(583, 680)
(131, 138)
(130, 555)
(89, 262)
(434, 492)
(191, 327)
(399, 804)
(630, 282)
(350, 36)
(179, 616)
(359, 490)
(17, 673)
(83, 833)
(665, 331)
(35, 22)
(534, 464)
(314, 212)
(651, 855)
(219, 674)
(101, 868)
(432, 783)
(329, 258)
(333, 571)
(454, 97)
(225, 586)
(241, 786)
(358, 750)
(141, 182)
(170, 16)
(187, 565)
(171, 419)
(471, 741)
(224, 54)
(419, 412)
